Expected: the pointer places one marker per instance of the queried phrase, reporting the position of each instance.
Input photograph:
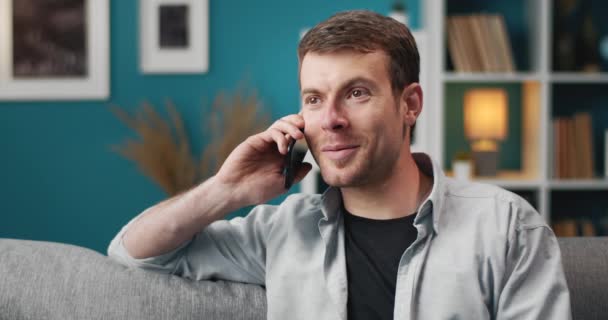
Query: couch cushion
(44, 280)
(586, 265)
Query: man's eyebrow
(359, 81)
(349, 83)
(309, 90)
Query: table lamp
(485, 124)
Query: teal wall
(60, 181)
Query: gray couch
(44, 280)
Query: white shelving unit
(537, 83)
(568, 77)
(537, 176)
(494, 77)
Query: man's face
(354, 124)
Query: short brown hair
(366, 31)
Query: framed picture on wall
(54, 50)
(174, 36)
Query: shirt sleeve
(535, 285)
(233, 250)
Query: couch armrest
(585, 262)
(45, 280)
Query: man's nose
(334, 117)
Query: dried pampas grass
(163, 151)
(232, 120)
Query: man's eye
(312, 100)
(358, 93)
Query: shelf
(538, 93)
(579, 184)
(510, 183)
(490, 77)
(578, 77)
(508, 180)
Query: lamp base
(485, 163)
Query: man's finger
(279, 137)
(296, 119)
(288, 128)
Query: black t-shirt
(373, 251)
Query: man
(392, 238)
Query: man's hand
(252, 174)
(253, 171)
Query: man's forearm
(170, 223)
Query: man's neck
(396, 197)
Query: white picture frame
(92, 84)
(188, 52)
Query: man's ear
(411, 103)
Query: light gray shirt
(481, 253)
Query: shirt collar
(433, 204)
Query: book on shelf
(574, 228)
(557, 148)
(571, 151)
(587, 151)
(504, 45)
(456, 48)
(587, 229)
(573, 147)
(475, 24)
(565, 228)
(479, 43)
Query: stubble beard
(362, 170)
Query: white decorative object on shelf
(39, 62)
(174, 36)
(462, 170)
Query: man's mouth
(339, 152)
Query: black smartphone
(293, 160)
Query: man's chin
(339, 178)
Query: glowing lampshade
(485, 117)
(485, 123)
